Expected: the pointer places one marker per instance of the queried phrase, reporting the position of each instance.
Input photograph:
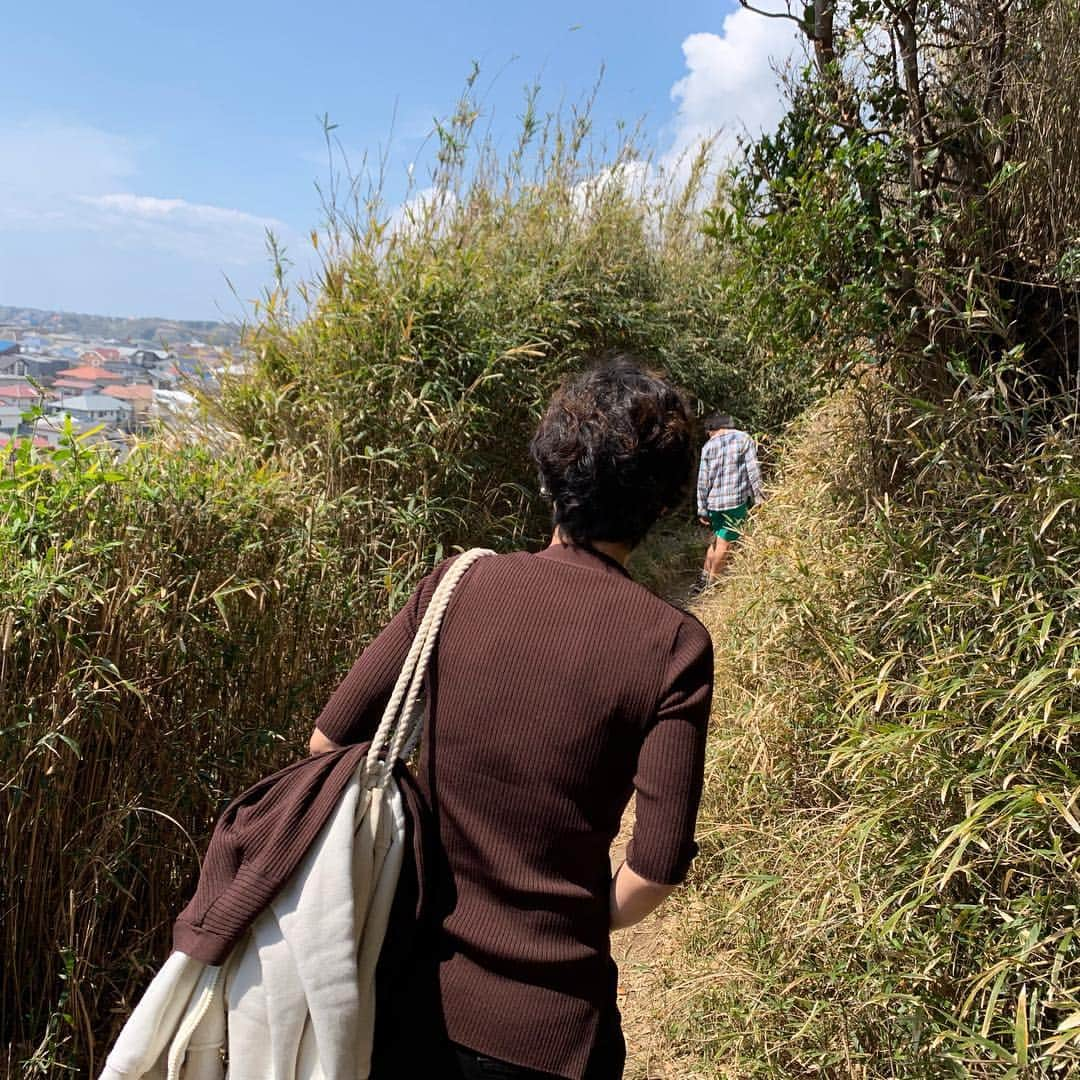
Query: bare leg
(722, 556)
(716, 558)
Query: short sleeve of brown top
(559, 687)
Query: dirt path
(644, 952)
(641, 952)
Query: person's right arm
(668, 782)
(753, 470)
(704, 482)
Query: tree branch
(772, 14)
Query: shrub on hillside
(917, 206)
(433, 336)
(891, 828)
(169, 627)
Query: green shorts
(723, 522)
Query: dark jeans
(605, 1063)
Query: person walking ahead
(559, 686)
(729, 483)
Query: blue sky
(144, 148)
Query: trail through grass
(888, 876)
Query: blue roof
(8, 346)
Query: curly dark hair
(614, 451)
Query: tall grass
(436, 331)
(890, 880)
(891, 838)
(167, 630)
(169, 626)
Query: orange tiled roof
(138, 392)
(106, 356)
(75, 384)
(20, 392)
(95, 374)
(37, 440)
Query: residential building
(93, 409)
(44, 368)
(20, 391)
(12, 362)
(148, 358)
(37, 441)
(139, 395)
(11, 416)
(88, 373)
(79, 386)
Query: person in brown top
(559, 688)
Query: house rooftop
(20, 391)
(137, 392)
(36, 440)
(75, 384)
(87, 372)
(92, 403)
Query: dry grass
(762, 817)
(168, 630)
(888, 878)
(170, 626)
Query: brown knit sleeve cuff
(659, 868)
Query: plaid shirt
(729, 474)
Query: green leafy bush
(434, 336)
(890, 882)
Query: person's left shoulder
(688, 628)
(695, 632)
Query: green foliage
(891, 844)
(918, 203)
(808, 255)
(964, 738)
(169, 627)
(890, 883)
(433, 338)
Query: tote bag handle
(403, 719)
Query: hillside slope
(887, 885)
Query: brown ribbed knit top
(559, 687)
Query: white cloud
(426, 208)
(62, 177)
(197, 230)
(72, 232)
(633, 179)
(151, 208)
(731, 86)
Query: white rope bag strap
(403, 719)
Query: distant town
(61, 373)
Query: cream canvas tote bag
(296, 998)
